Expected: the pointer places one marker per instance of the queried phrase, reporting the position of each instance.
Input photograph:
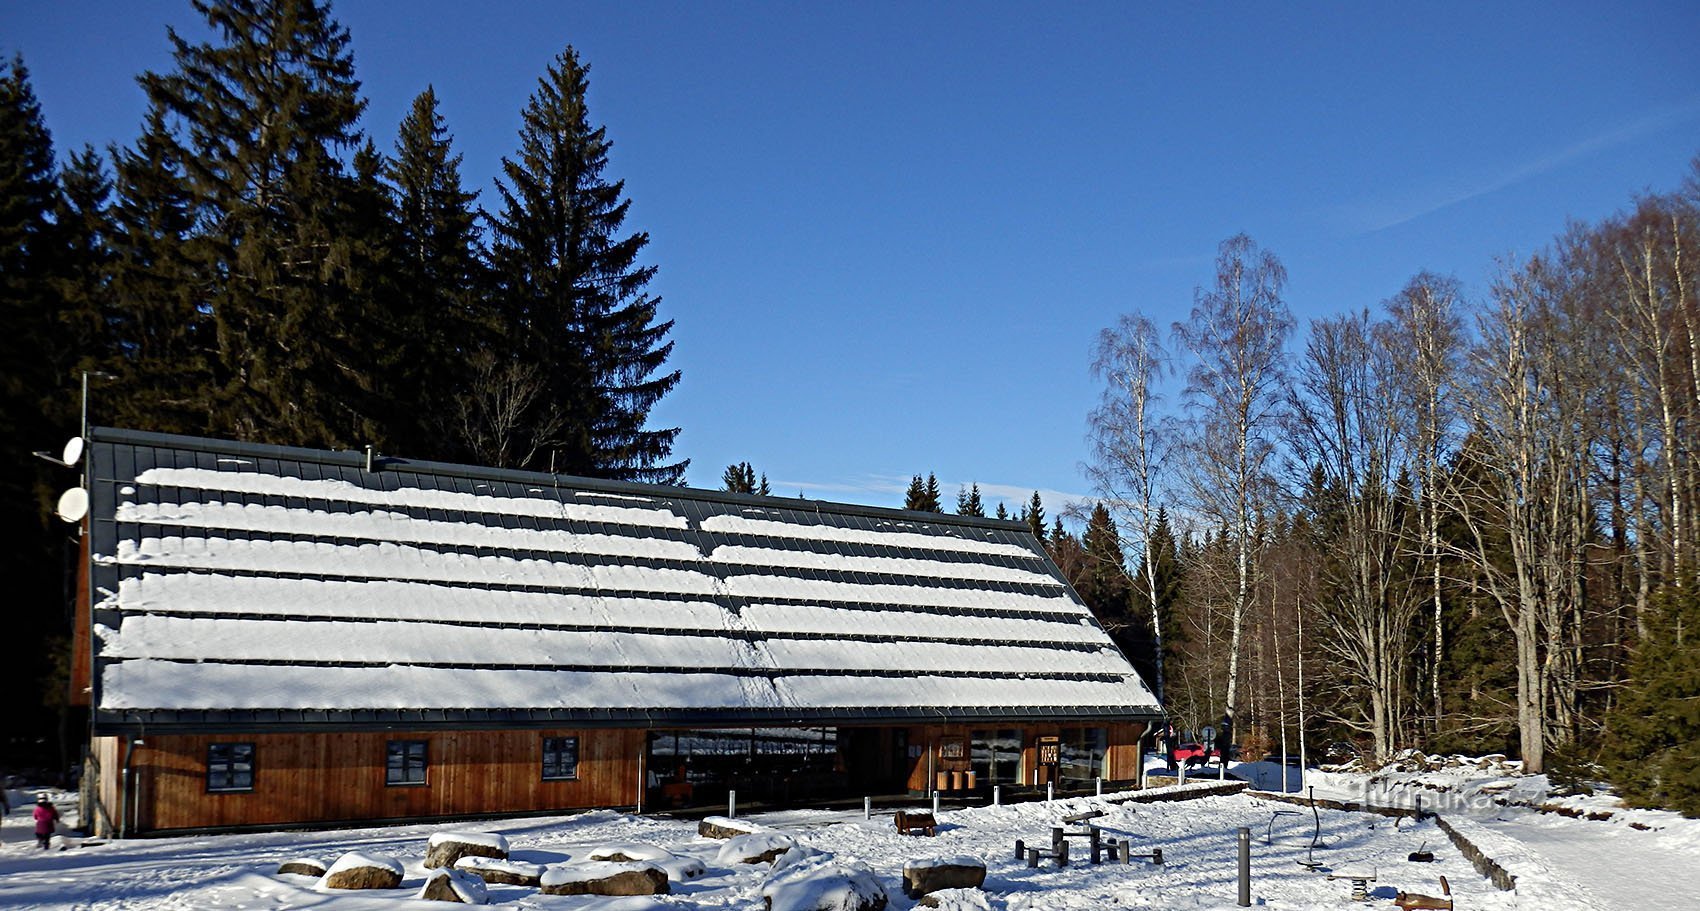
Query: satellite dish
(73, 504)
(73, 451)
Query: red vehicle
(1196, 754)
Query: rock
(306, 866)
(501, 872)
(822, 884)
(454, 886)
(956, 900)
(445, 848)
(726, 827)
(753, 848)
(362, 871)
(678, 867)
(931, 874)
(605, 878)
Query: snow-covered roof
(237, 582)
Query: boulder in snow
(726, 827)
(678, 867)
(454, 886)
(306, 866)
(956, 900)
(822, 884)
(355, 870)
(932, 874)
(605, 878)
(445, 848)
(753, 848)
(501, 872)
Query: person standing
(46, 815)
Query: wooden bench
(910, 823)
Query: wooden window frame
(229, 764)
(424, 763)
(543, 770)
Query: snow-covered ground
(1563, 862)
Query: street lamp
(101, 374)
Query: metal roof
(253, 586)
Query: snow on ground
(1563, 862)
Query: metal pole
(935, 804)
(1098, 783)
(731, 804)
(997, 795)
(867, 808)
(1245, 867)
(1050, 791)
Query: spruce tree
(82, 227)
(264, 113)
(573, 294)
(1655, 728)
(160, 340)
(968, 502)
(1034, 515)
(739, 477)
(28, 260)
(1003, 512)
(915, 499)
(438, 276)
(935, 497)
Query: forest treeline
(256, 265)
(1450, 522)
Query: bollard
(1050, 791)
(1181, 773)
(731, 804)
(1245, 867)
(867, 808)
(1099, 785)
(997, 795)
(935, 805)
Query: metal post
(1180, 772)
(935, 805)
(1050, 791)
(1245, 867)
(867, 808)
(731, 804)
(1098, 783)
(997, 795)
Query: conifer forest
(1454, 521)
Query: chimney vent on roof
(371, 457)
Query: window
(406, 764)
(230, 767)
(560, 758)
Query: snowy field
(1563, 862)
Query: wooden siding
(80, 659)
(339, 777)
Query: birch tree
(1235, 337)
(1129, 449)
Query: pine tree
(439, 274)
(27, 257)
(572, 292)
(935, 497)
(285, 277)
(1003, 512)
(968, 502)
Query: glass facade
(996, 756)
(695, 766)
(1083, 752)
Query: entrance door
(1047, 753)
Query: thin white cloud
(1379, 218)
(893, 487)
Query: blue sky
(889, 232)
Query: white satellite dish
(73, 451)
(73, 504)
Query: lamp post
(100, 374)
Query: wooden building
(273, 636)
